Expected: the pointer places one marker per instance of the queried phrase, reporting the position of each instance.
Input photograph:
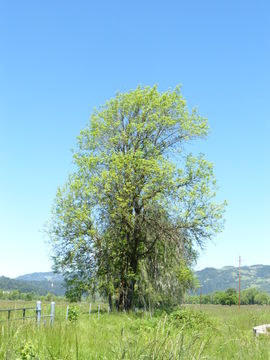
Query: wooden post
(67, 313)
(38, 312)
(9, 314)
(23, 314)
(52, 312)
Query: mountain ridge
(39, 283)
(41, 276)
(212, 279)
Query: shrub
(27, 352)
(190, 319)
(73, 313)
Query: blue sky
(60, 59)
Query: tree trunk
(130, 296)
(110, 302)
(126, 293)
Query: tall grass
(212, 332)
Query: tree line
(249, 296)
(27, 296)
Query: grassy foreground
(209, 332)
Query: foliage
(186, 277)
(230, 297)
(262, 299)
(27, 352)
(30, 296)
(73, 313)
(132, 212)
(250, 296)
(187, 318)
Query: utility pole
(239, 295)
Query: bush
(262, 299)
(73, 313)
(27, 352)
(190, 319)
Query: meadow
(191, 332)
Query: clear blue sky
(59, 59)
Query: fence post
(67, 313)
(38, 312)
(23, 314)
(98, 310)
(90, 308)
(52, 312)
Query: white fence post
(38, 312)
(90, 309)
(67, 313)
(52, 312)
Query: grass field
(209, 332)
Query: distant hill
(41, 276)
(39, 283)
(213, 279)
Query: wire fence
(39, 312)
(9, 313)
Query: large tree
(131, 214)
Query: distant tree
(248, 295)
(206, 299)
(49, 297)
(136, 206)
(262, 299)
(29, 296)
(192, 299)
(218, 297)
(14, 295)
(230, 297)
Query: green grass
(209, 332)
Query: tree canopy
(129, 217)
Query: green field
(209, 332)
